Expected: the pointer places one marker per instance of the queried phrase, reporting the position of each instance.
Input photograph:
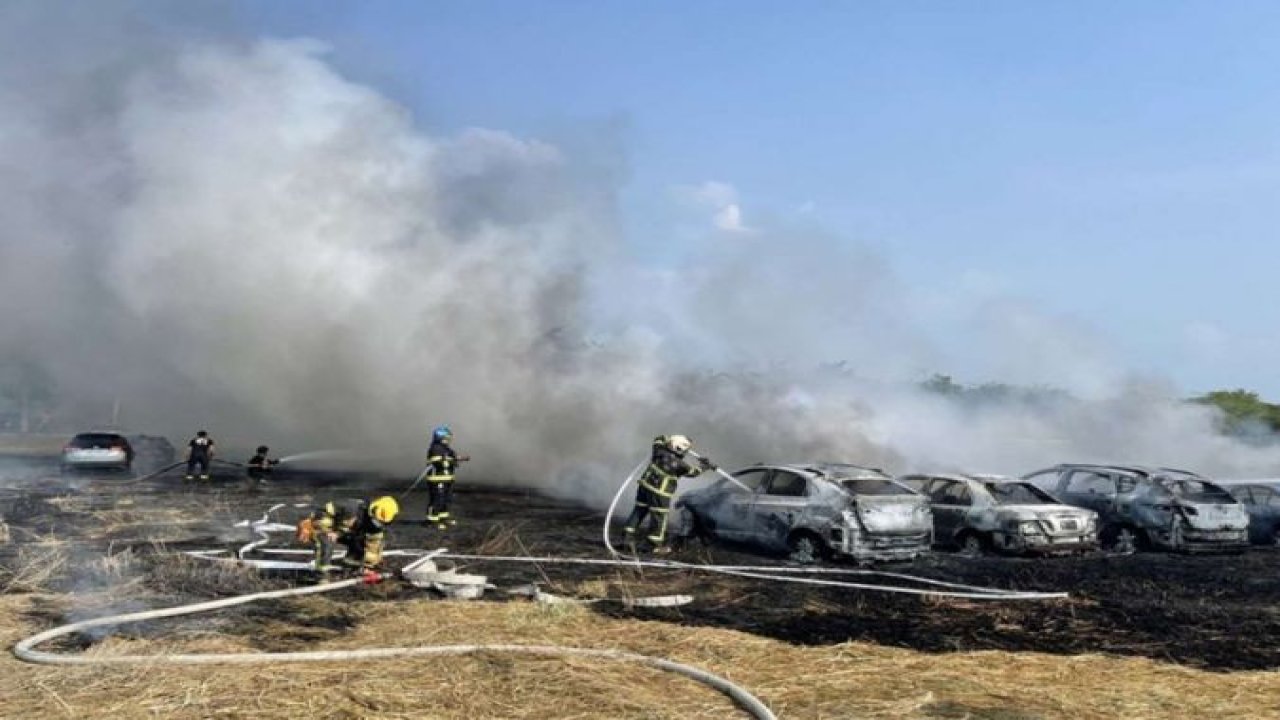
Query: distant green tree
(992, 392)
(1243, 412)
(943, 385)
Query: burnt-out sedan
(981, 513)
(811, 511)
(1143, 507)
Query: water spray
(720, 471)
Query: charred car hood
(1215, 516)
(892, 514)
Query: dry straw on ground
(840, 681)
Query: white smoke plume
(229, 234)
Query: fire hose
(25, 650)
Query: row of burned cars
(818, 510)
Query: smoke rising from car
(228, 234)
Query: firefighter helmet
(384, 509)
(441, 433)
(679, 443)
(263, 449)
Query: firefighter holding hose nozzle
(442, 461)
(667, 464)
(259, 466)
(358, 525)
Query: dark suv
(1150, 507)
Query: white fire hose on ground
(25, 650)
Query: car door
(778, 506)
(951, 501)
(1263, 504)
(1269, 509)
(734, 519)
(1092, 489)
(1049, 481)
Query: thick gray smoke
(231, 235)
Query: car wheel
(805, 548)
(972, 545)
(1122, 540)
(700, 529)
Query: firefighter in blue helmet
(442, 462)
(667, 465)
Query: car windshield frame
(873, 487)
(1185, 488)
(999, 492)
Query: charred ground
(1212, 612)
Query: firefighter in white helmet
(667, 465)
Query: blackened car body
(979, 513)
(1150, 507)
(812, 510)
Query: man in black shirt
(199, 454)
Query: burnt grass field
(1215, 612)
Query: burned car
(811, 511)
(981, 513)
(1262, 502)
(1149, 507)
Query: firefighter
(358, 525)
(667, 465)
(442, 460)
(199, 453)
(259, 466)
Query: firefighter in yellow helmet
(359, 525)
(667, 465)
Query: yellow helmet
(384, 509)
(679, 443)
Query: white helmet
(679, 443)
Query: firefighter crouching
(358, 525)
(667, 465)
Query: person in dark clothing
(358, 525)
(667, 465)
(259, 466)
(442, 461)
(199, 454)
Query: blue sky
(1115, 165)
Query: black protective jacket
(666, 466)
(443, 461)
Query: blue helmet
(441, 433)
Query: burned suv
(1149, 507)
(811, 510)
(980, 513)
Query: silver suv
(812, 510)
(1150, 507)
(980, 513)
